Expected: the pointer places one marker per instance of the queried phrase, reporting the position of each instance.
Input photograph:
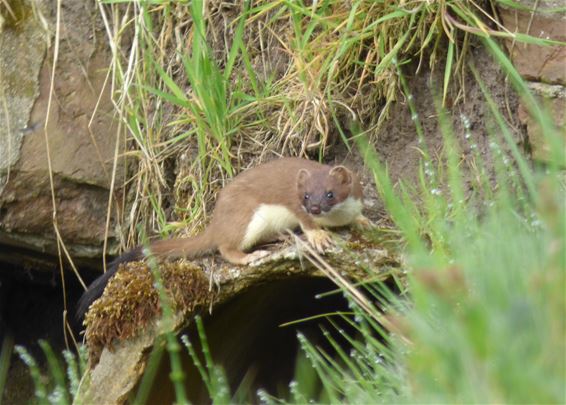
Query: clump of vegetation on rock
(130, 301)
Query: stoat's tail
(186, 247)
(172, 248)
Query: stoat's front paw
(363, 222)
(319, 239)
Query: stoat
(256, 207)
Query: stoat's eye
(329, 195)
(307, 196)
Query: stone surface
(553, 99)
(23, 42)
(79, 135)
(535, 62)
(119, 370)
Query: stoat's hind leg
(236, 256)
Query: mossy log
(124, 324)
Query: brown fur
(279, 182)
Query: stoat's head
(320, 190)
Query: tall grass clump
(165, 121)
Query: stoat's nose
(315, 209)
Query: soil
(397, 142)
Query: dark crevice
(31, 309)
(247, 341)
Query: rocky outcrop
(57, 132)
(58, 141)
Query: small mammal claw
(363, 222)
(319, 239)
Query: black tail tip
(96, 288)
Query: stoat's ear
(302, 177)
(342, 175)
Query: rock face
(553, 98)
(544, 66)
(23, 43)
(61, 128)
(535, 62)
